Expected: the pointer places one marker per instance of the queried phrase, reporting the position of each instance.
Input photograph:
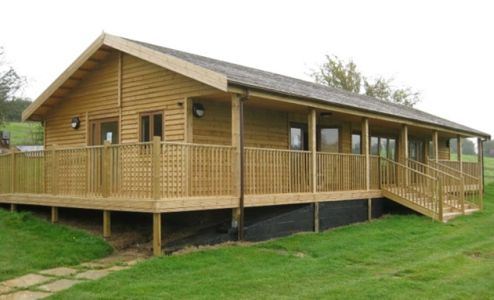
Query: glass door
(104, 130)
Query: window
(383, 146)
(298, 137)
(356, 144)
(151, 126)
(329, 140)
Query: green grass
(397, 257)
(29, 244)
(24, 133)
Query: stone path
(47, 282)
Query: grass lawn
(29, 244)
(24, 133)
(397, 257)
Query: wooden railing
(470, 168)
(472, 185)
(277, 171)
(340, 172)
(453, 186)
(412, 186)
(133, 171)
(374, 172)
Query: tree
(10, 83)
(345, 75)
(468, 147)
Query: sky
(443, 49)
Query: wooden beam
(189, 120)
(12, 168)
(156, 168)
(313, 103)
(435, 145)
(157, 234)
(180, 66)
(119, 79)
(13, 207)
(364, 149)
(480, 149)
(403, 144)
(235, 122)
(106, 223)
(312, 121)
(106, 170)
(459, 151)
(54, 214)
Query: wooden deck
(171, 177)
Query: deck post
(435, 145)
(459, 152)
(13, 207)
(312, 121)
(440, 198)
(364, 149)
(54, 214)
(106, 223)
(404, 151)
(12, 170)
(105, 180)
(480, 149)
(238, 212)
(156, 234)
(155, 168)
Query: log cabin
(131, 126)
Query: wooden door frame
(97, 129)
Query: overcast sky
(444, 49)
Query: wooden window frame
(319, 138)
(97, 129)
(151, 115)
(305, 133)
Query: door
(104, 130)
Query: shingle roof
(255, 78)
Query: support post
(440, 199)
(13, 207)
(156, 234)
(54, 214)
(480, 149)
(404, 152)
(459, 152)
(312, 121)
(237, 164)
(106, 223)
(105, 180)
(12, 170)
(364, 149)
(155, 168)
(435, 145)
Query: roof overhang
(72, 74)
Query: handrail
(433, 169)
(452, 169)
(407, 167)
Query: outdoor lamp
(198, 110)
(75, 123)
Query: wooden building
(131, 126)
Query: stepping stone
(92, 274)
(118, 268)
(25, 295)
(26, 281)
(59, 285)
(4, 289)
(92, 265)
(59, 272)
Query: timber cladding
(123, 86)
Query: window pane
(392, 149)
(158, 125)
(374, 145)
(412, 154)
(356, 144)
(329, 140)
(296, 138)
(145, 135)
(109, 132)
(383, 147)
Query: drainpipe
(242, 166)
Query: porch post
(105, 180)
(156, 234)
(459, 152)
(12, 170)
(54, 214)
(237, 144)
(364, 149)
(404, 144)
(312, 121)
(106, 223)
(480, 149)
(435, 145)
